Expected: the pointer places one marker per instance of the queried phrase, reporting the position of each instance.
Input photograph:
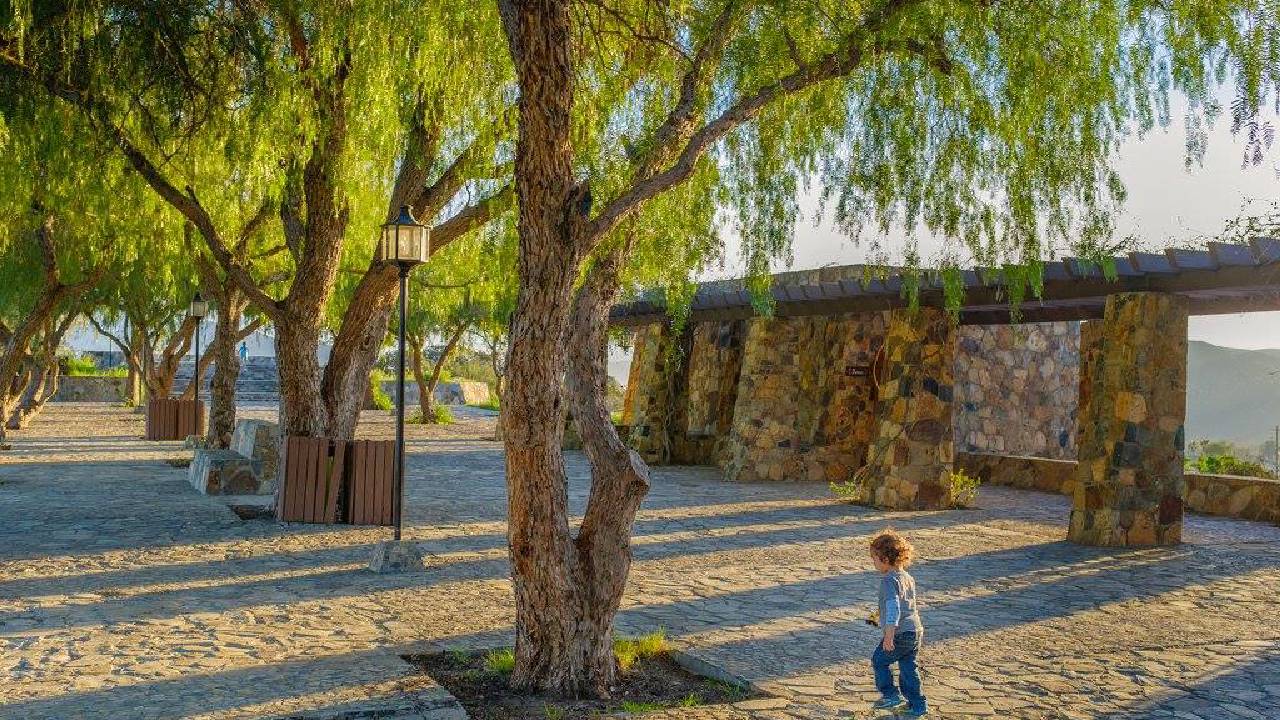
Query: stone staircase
(259, 380)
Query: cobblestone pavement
(124, 594)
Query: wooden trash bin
(313, 479)
(174, 418)
(370, 487)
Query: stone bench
(224, 472)
(248, 467)
(259, 440)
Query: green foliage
(381, 400)
(855, 490)
(491, 404)
(78, 365)
(551, 712)
(1229, 465)
(962, 488)
(441, 415)
(500, 662)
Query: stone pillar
(1133, 381)
(910, 466)
(660, 397)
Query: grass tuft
(629, 650)
(501, 662)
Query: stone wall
(1224, 495)
(1016, 388)
(91, 388)
(805, 398)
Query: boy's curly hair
(892, 548)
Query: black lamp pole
(399, 470)
(199, 308)
(195, 378)
(405, 242)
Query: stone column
(659, 399)
(1133, 380)
(909, 467)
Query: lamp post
(405, 242)
(198, 309)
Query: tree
(991, 123)
(57, 241)
(267, 88)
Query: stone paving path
(124, 594)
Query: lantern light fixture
(405, 241)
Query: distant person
(244, 351)
(899, 616)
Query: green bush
(443, 416)
(962, 488)
(856, 490)
(85, 366)
(381, 400)
(80, 365)
(1229, 465)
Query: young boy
(903, 632)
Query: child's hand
(888, 643)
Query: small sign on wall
(857, 370)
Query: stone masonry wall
(805, 400)
(1016, 388)
(1225, 495)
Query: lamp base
(396, 557)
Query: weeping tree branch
(832, 65)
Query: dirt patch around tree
(480, 681)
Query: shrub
(856, 490)
(962, 488)
(79, 365)
(442, 416)
(381, 400)
(1229, 465)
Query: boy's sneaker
(886, 703)
(909, 713)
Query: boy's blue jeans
(905, 647)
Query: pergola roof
(1225, 278)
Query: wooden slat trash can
(370, 490)
(313, 479)
(174, 418)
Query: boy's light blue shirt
(898, 602)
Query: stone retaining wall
(91, 388)
(1224, 495)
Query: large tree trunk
(301, 407)
(355, 349)
(563, 633)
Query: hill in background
(1232, 394)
